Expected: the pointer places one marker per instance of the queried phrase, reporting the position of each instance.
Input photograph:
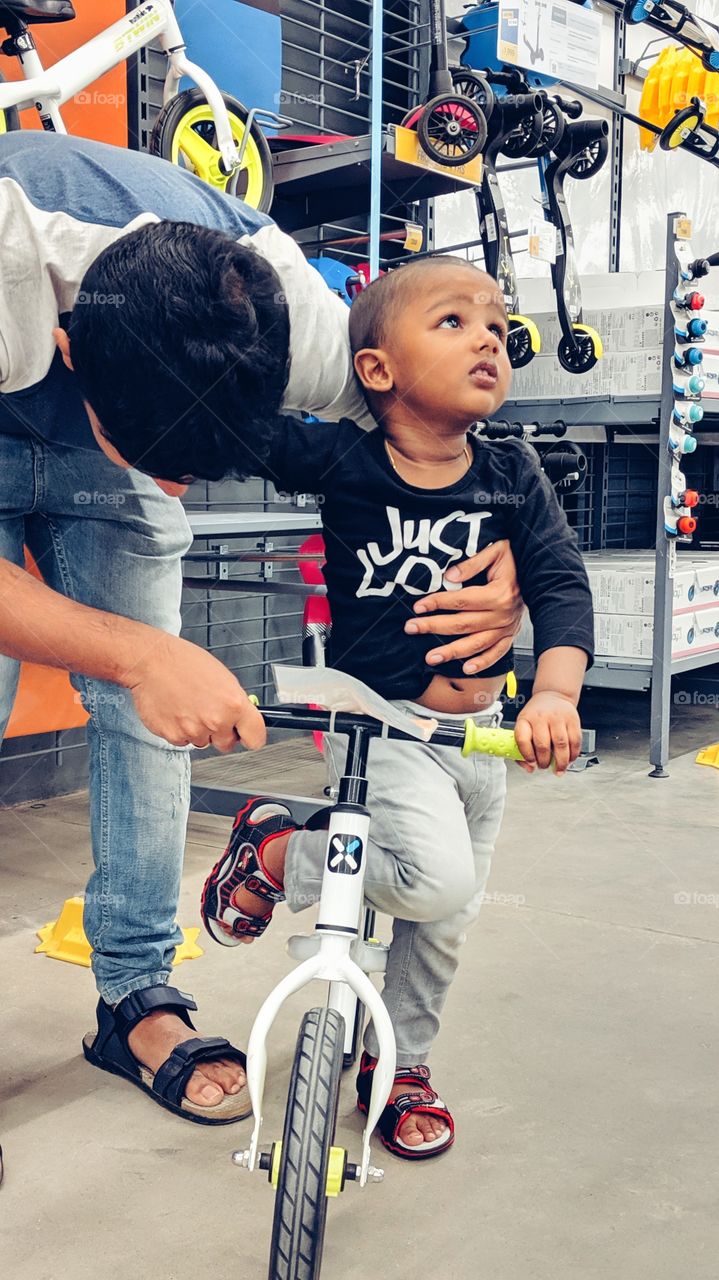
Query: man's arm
(322, 377)
(181, 692)
(303, 456)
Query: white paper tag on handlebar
(337, 691)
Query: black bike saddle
(35, 11)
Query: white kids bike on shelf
(305, 1168)
(202, 129)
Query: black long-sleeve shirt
(388, 542)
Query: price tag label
(683, 228)
(413, 237)
(542, 239)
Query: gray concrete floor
(579, 1053)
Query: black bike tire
(163, 132)
(298, 1227)
(11, 114)
(451, 162)
(594, 163)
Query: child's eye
(500, 331)
(452, 321)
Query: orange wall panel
(100, 111)
(46, 701)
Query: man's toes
(203, 1092)
(227, 1074)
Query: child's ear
(372, 369)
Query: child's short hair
(376, 307)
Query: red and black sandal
(423, 1102)
(242, 867)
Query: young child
(400, 506)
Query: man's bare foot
(152, 1042)
(416, 1129)
(273, 856)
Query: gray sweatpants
(435, 817)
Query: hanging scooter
(562, 146)
(517, 114)
(688, 131)
(676, 21)
(579, 152)
(451, 126)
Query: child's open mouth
(484, 374)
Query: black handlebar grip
(518, 106)
(570, 106)
(582, 133)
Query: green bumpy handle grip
(491, 742)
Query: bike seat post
(343, 876)
(353, 783)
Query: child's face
(447, 351)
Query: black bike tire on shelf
(163, 132)
(595, 163)
(469, 84)
(298, 1227)
(426, 142)
(11, 114)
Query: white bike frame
(340, 957)
(155, 20)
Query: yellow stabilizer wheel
(511, 685)
(336, 1170)
(523, 340)
(490, 742)
(336, 1165)
(274, 1172)
(184, 133)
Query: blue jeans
(109, 538)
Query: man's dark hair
(374, 309)
(180, 341)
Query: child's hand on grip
(548, 726)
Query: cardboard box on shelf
(625, 583)
(626, 372)
(696, 632)
(630, 636)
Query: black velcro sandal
(109, 1051)
(424, 1102)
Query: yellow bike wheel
(9, 118)
(184, 133)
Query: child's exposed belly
(454, 695)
